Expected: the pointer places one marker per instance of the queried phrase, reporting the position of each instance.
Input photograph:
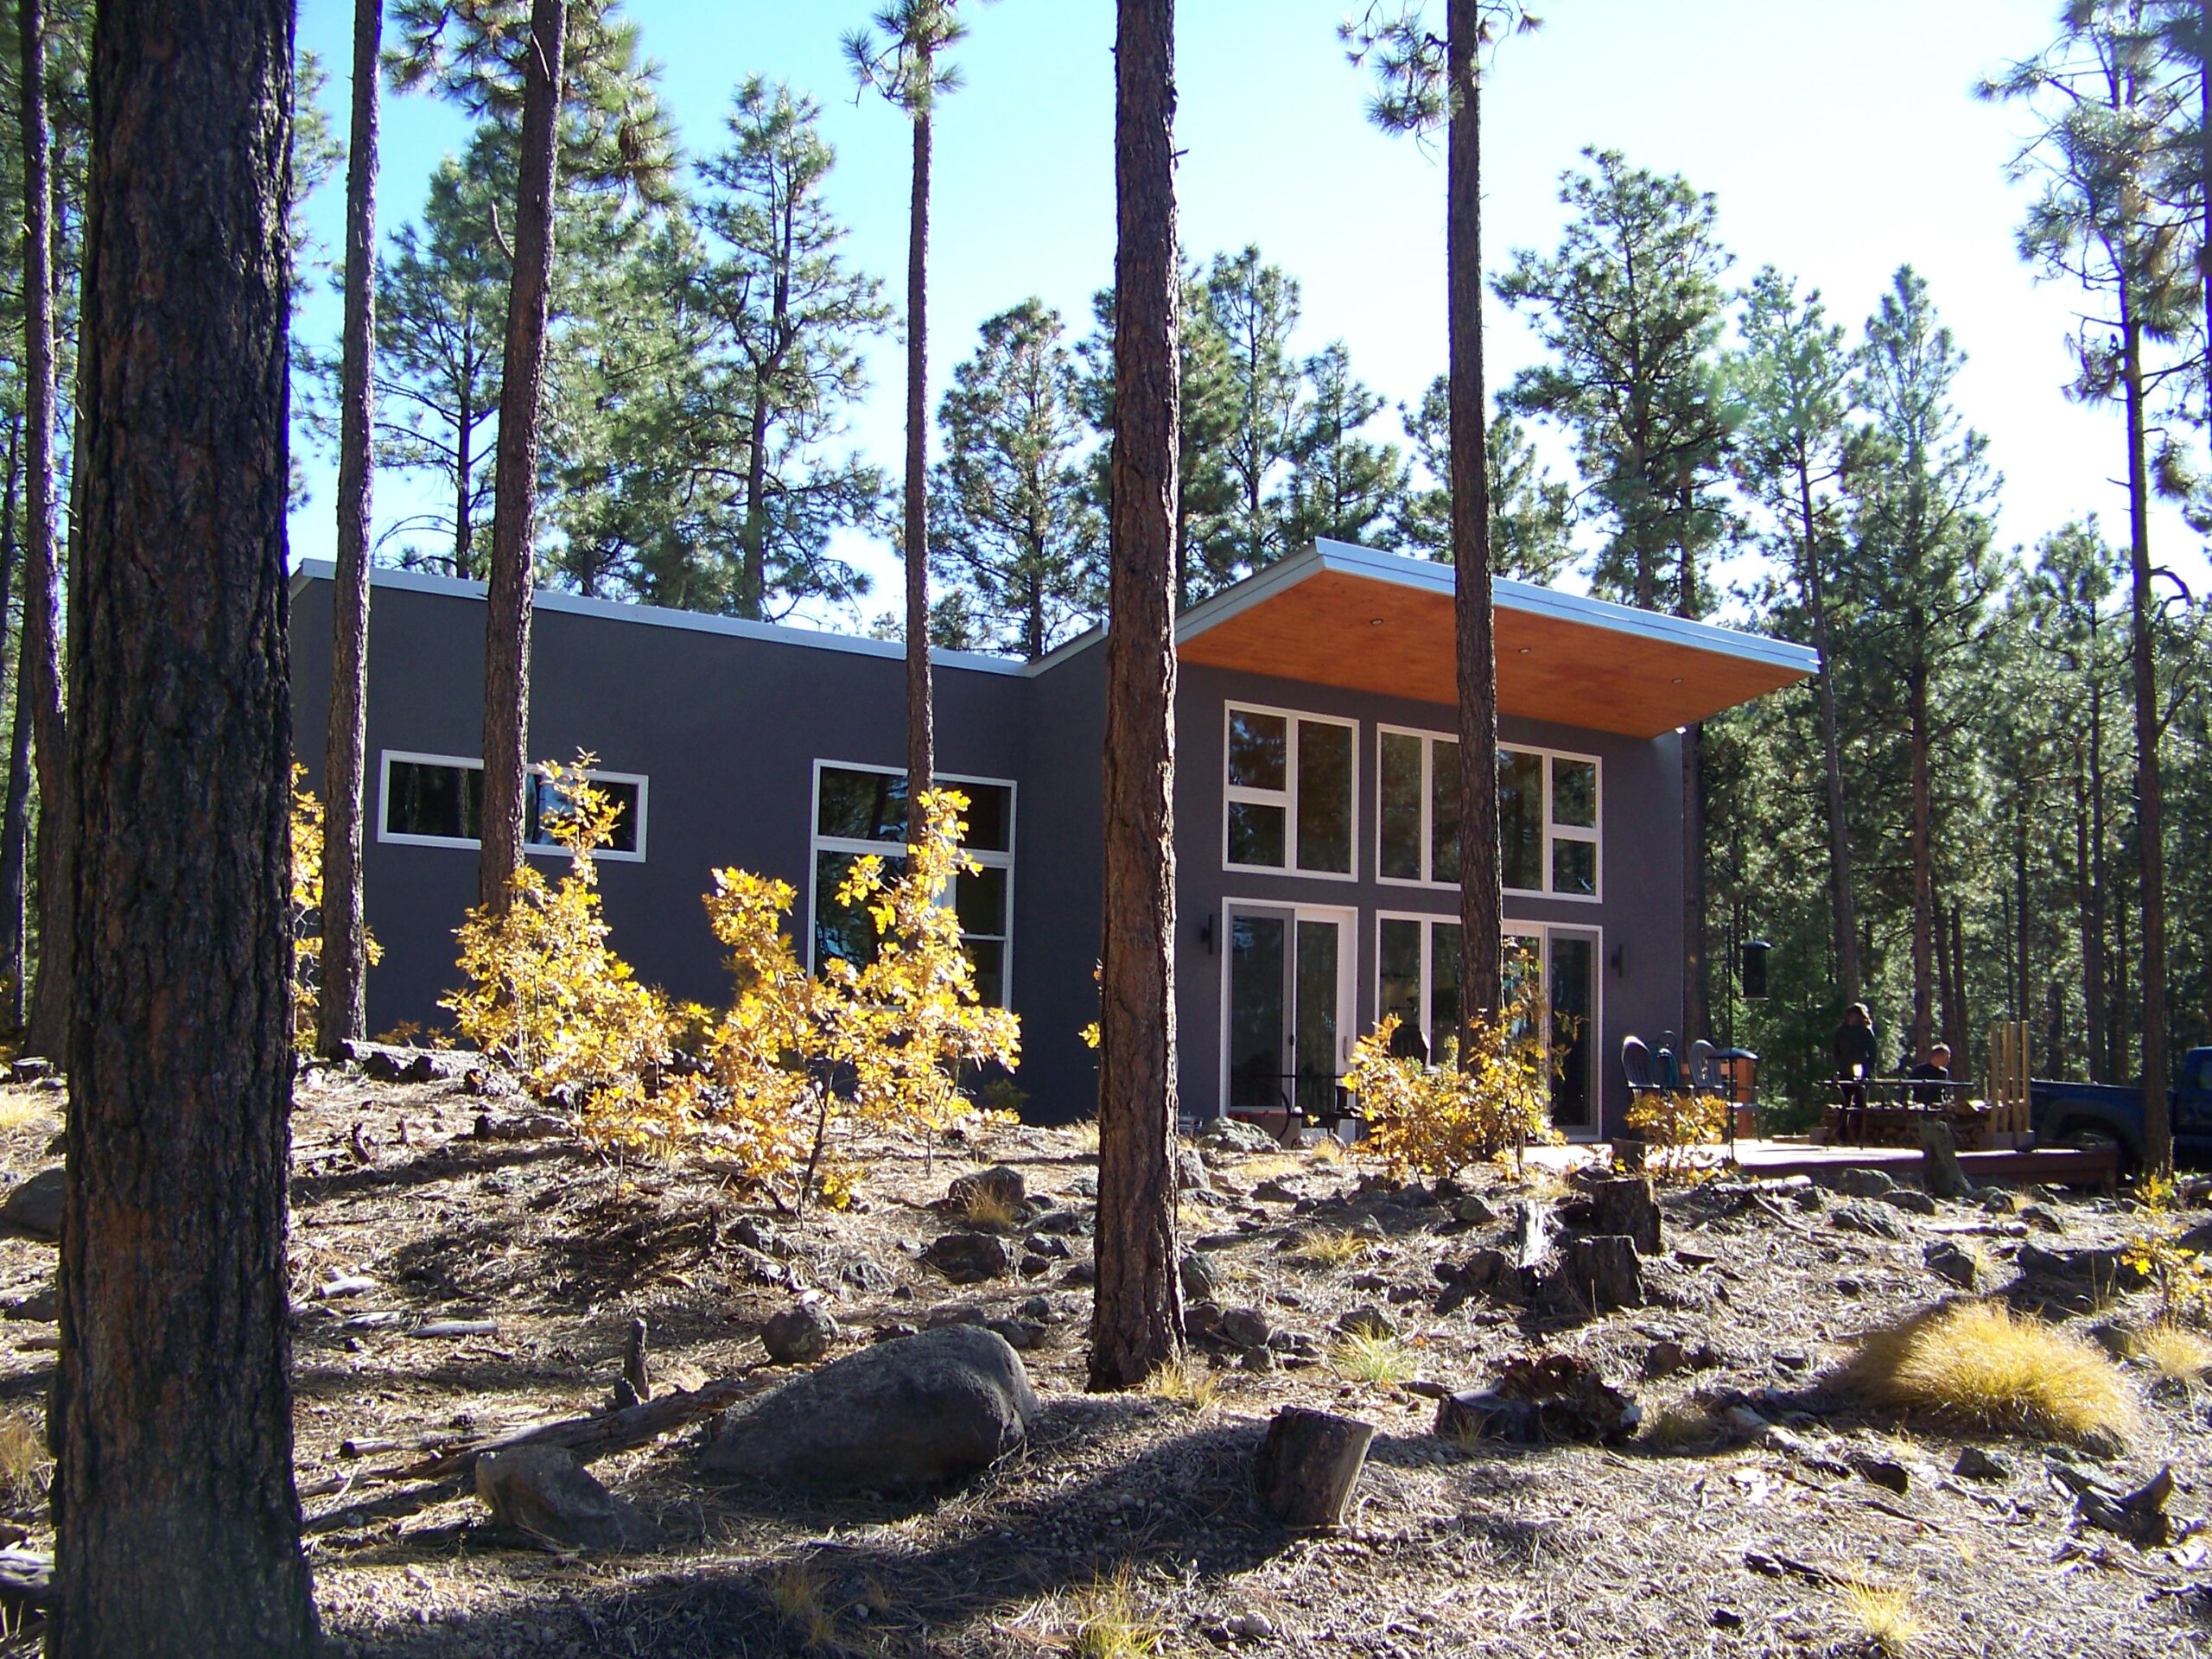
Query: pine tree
(1254, 306)
(1343, 485)
(1531, 512)
(1016, 526)
(1136, 1323)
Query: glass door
(1288, 1014)
(1565, 962)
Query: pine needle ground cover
(1128, 1520)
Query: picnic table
(1888, 1111)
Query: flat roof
(1347, 616)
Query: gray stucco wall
(727, 731)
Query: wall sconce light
(1620, 962)
(1205, 933)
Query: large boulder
(799, 1334)
(34, 1206)
(969, 1258)
(919, 1411)
(1230, 1134)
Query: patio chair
(1705, 1069)
(1635, 1062)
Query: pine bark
(47, 1033)
(15, 819)
(514, 506)
(921, 737)
(1137, 1312)
(2150, 785)
(1840, 880)
(178, 1524)
(341, 1014)
(1923, 850)
(1482, 897)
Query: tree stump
(1939, 1159)
(1308, 1464)
(1532, 1233)
(1603, 1272)
(1624, 1208)
(635, 1366)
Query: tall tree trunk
(1948, 1022)
(15, 818)
(1957, 1020)
(41, 666)
(2024, 938)
(921, 736)
(2150, 787)
(1924, 851)
(2096, 974)
(1482, 897)
(342, 1007)
(514, 508)
(178, 1525)
(1839, 888)
(1137, 1312)
(464, 522)
(753, 601)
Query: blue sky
(1841, 141)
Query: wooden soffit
(1344, 616)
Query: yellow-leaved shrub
(800, 1062)
(1673, 1122)
(1436, 1121)
(304, 912)
(546, 995)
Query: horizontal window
(861, 810)
(438, 800)
(1289, 791)
(1547, 819)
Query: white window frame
(1537, 933)
(1286, 798)
(471, 763)
(818, 843)
(1594, 835)
(1347, 918)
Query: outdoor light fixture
(1205, 933)
(1374, 621)
(1678, 679)
(1526, 650)
(1620, 962)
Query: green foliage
(1531, 512)
(1343, 485)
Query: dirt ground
(1127, 1526)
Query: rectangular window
(1290, 791)
(438, 800)
(1417, 978)
(1547, 815)
(862, 809)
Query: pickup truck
(2096, 1114)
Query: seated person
(1936, 1069)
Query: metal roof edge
(662, 617)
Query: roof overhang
(1342, 615)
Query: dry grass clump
(991, 1208)
(797, 1592)
(1883, 1615)
(1976, 1362)
(1378, 1361)
(1110, 1620)
(20, 1110)
(1185, 1384)
(2173, 1351)
(24, 1466)
(1326, 1152)
(1678, 1426)
(1270, 1166)
(1085, 1136)
(1325, 1248)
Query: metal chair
(1705, 1069)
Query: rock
(1855, 1183)
(756, 1234)
(1953, 1263)
(798, 1335)
(1228, 1134)
(1202, 1320)
(1540, 1400)
(1046, 1247)
(1021, 1334)
(969, 1258)
(1474, 1210)
(1247, 1327)
(393, 1062)
(2098, 1269)
(1912, 1200)
(1886, 1472)
(519, 1126)
(1190, 1171)
(37, 1306)
(544, 1491)
(913, 1412)
(1276, 1190)
(1875, 1220)
(34, 1206)
(2042, 1218)
(998, 1185)
(1084, 1272)
(866, 1273)
(898, 1331)
(1255, 1627)
(1809, 1197)
(1664, 1359)
(1084, 1186)
(1368, 1322)
(1061, 1223)
(1975, 1464)
(1471, 1275)
(1198, 1277)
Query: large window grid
(1290, 792)
(437, 800)
(862, 809)
(1549, 816)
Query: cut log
(1308, 1464)
(594, 1436)
(1603, 1272)
(2140, 1516)
(26, 1580)
(633, 1360)
(1939, 1160)
(1625, 1207)
(1532, 1233)
(435, 1328)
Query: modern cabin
(1315, 822)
